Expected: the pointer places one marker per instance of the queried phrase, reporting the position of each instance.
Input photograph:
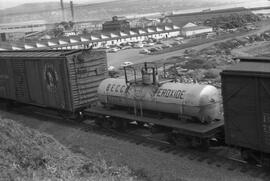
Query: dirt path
(258, 48)
(148, 162)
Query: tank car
(189, 112)
(199, 102)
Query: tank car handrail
(134, 73)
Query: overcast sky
(9, 3)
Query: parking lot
(138, 54)
(133, 55)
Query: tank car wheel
(266, 161)
(140, 124)
(180, 140)
(10, 105)
(156, 128)
(99, 122)
(204, 145)
(170, 139)
(249, 156)
(79, 116)
(107, 124)
(119, 124)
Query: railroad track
(219, 157)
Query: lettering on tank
(118, 88)
(177, 94)
(169, 93)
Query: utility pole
(62, 10)
(72, 11)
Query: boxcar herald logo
(51, 77)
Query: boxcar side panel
(240, 111)
(65, 80)
(86, 71)
(20, 80)
(264, 113)
(54, 83)
(34, 84)
(4, 80)
(41, 81)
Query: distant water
(266, 11)
(244, 3)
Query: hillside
(29, 155)
(32, 8)
(104, 10)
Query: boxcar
(246, 101)
(63, 80)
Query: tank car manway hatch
(188, 109)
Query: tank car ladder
(137, 103)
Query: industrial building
(99, 39)
(14, 31)
(116, 25)
(192, 29)
(182, 19)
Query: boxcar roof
(252, 65)
(37, 53)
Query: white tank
(192, 100)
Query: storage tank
(193, 100)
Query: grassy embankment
(26, 154)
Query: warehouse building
(115, 25)
(100, 39)
(182, 19)
(192, 29)
(14, 31)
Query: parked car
(145, 51)
(179, 38)
(126, 47)
(154, 49)
(175, 43)
(105, 46)
(113, 50)
(166, 46)
(159, 48)
(125, 64)
(138, 45)
(111, 68)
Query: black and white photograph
(134, 90)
